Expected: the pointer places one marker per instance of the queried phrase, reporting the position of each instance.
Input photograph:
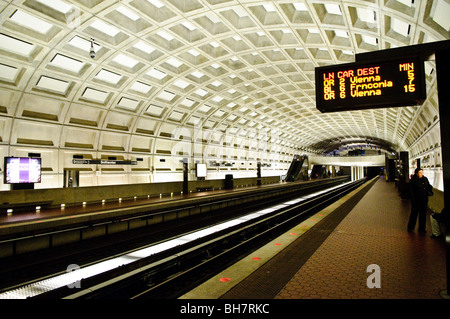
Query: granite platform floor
(367, 254)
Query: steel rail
(246, 236)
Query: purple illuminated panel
(22, 170)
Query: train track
(240, 242)
(31, 266)
(159, 270)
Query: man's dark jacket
(420, 189)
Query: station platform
(338, 253)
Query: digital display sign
(22, 170)
(201, 170)
(358, 86)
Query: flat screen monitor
(201, 170)
(22, 170)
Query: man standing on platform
(420, 190)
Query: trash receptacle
(229, 181)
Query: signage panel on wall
(102, 162)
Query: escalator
(317, 171)
(295, 168)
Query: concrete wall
(27, 237)
(78, 195)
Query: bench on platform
(204, 188)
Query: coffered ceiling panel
(220, 65)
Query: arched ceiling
(220, 65)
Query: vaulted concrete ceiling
(241, 67)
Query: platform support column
(443, 84)
(403, 180)
(185, 177)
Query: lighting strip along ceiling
(252, 60)
(71, 277)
